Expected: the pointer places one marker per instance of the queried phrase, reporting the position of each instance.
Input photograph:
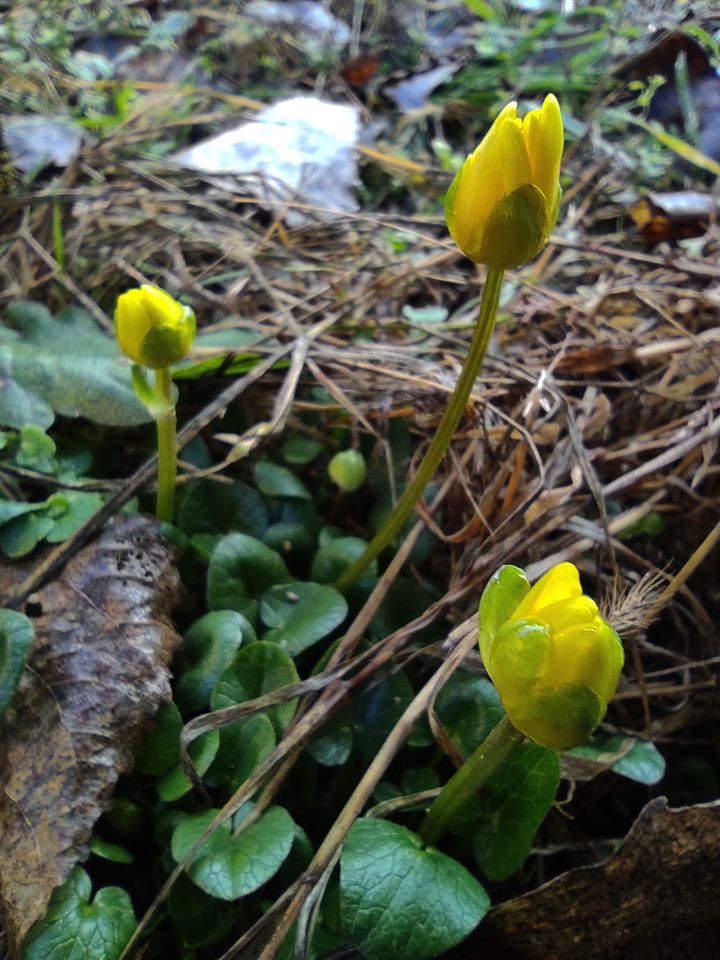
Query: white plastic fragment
(306, 17)
(301, 149)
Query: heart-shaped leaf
(400, 900)
(208, 647)
(469, 707)
(241, 568)
(243, 745)
(75, 929)
(229, 866)
(256, 670)
(300, 614)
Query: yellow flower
(152, 328)
(504, 200)
(553, 659)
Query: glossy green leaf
(16, 638)
(335, 556)
(511, 806)
(468, 706)
(643, 763)
(174, 784)
(241, 569)
(379, 708)
(637, 760)
(332, 748)
(112, 852)
(257, 669)
(64, 365)
(290, 540)
(207, 649)
(208, 506)
(160, 749)
(198, 918)
(231, 866)
(243, 745)
(401, 900)
(300, 614)
(74, 928)
(275, 481)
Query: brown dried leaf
(655, 898)
(96, 675)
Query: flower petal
(561, 582)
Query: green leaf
(16, 637)
(208, 647)
(401, 901)
(300, 614)
(208, 506)
(335, 556)
(379, 708)
(21, 535)
(75, 929)
(9, 509)
(332, 748)
(299, 449)
(109, 851)
(512, 806)
(199, 918)
(257, 669)
(241, 568)
(160, 750)
(643, 764)
(276, 481)
(638, 760)
(243, 745)
(468, 706)
(70, 509)
(62, 365)
(230, 866)
(290, 540)
(36, 450)
(173, 785)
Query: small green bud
(347, 469)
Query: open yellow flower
(152, 328)
(504, 200)
(553, 659)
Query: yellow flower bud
(504, 200)
(152, 328)
(553, 659)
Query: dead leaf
(654, 899)
(674, 216)
(96, 675)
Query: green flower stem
(445, 432)
(492, 753)
(167, 446)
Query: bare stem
(167, 447)
(495, 749)
(445, 432)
